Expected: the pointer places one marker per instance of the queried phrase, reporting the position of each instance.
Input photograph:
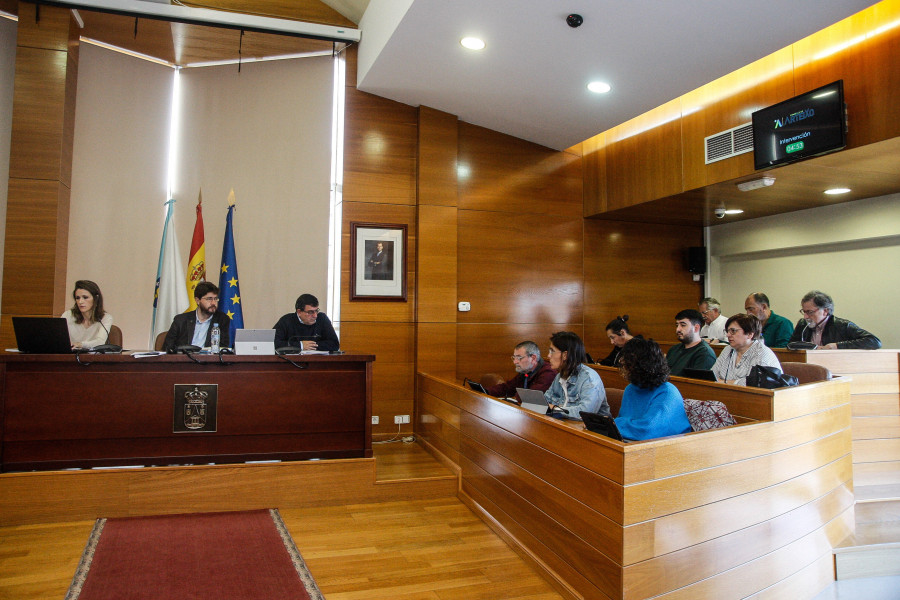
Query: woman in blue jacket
(651, 406)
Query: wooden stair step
(877, 493)
(872, 551)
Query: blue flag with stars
(229, 288)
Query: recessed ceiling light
(834, 191)
(755, 184)
(472, 43)
(598, 87)
(733, 211)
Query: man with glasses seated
(531, 372)
(308, 328)
(195, 328)
(827, 332)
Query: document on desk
(314, 352)
(147, 354)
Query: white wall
(7, 79)
(851, 251)
(264, 132)
(116, 210)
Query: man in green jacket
(776, 330)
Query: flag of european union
(229, 289)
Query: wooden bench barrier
(722, 513)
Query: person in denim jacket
(577, 387)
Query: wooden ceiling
(869, 171)
(185, 44)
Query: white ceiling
(530, 81)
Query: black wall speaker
(697, 259)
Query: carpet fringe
(86, 558)
(299, 564)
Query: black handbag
(770, 378)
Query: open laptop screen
(42, 335)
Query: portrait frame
(378, 255)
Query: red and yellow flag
(196, 271)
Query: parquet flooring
(411, 549)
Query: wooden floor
(433, 549)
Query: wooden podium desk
(117, 410)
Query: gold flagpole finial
(231, 197)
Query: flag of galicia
(229, 289)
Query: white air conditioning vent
(731, 142)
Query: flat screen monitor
(807, 125)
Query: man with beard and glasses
(692, 352)
(195, 327)
(826, 331)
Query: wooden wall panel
(520, 268)
(662, 536)
(643, 157)
(435, 347)
(34, 224)
(871, 87)
(380, 139)
(438, 133)
(36, 142)
(639, 270)
(393, 345)
(694, 563)
(726, 103)
(487, 348)
(594, 171)
(51, 32)
(436, 269)
(505, 174)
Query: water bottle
(214, 339)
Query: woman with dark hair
(618, 333)
(576, 387)
(88, 323)
(651, 406)
(747, 350)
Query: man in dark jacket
(531, 372)
(821, 327)
(307, 327)
(196, 327)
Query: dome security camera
(574, 20)
(720, 213)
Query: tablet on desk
(704, 374)
(476, 386)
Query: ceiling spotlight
(835, 191)
(755, 184)
(472, 43)
(598, 87)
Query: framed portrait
(377, 261)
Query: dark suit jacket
(182, 330)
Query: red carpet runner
(209, 555)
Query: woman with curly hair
(651, 406)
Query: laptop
(704, 374)
(602, 424)
(42, 335)
(254, 342)
(476, 386)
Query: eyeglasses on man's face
(210, 298)
(517, 358)
(311, 313)
(809, 313)
(734, 331)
